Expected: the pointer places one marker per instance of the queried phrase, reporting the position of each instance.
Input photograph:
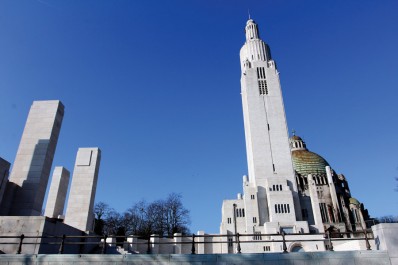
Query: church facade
(288, 189)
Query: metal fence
(102, 242)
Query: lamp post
(234, 215)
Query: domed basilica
(337, 208)
(288, 189)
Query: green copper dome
(306, 162)
(353, 201)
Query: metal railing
(236, 239)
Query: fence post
(330, 240)
(193, 244)
(284, 242)
(148, 250)
(104, 245)
(367, 240)
(61, 248)
(20, 244)
(238, 241)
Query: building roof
(353, 201)
(306, 162)
(295, 137)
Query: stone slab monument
(57, 193)
(29, 177)
(4, 172)
(80, 209)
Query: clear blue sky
(156, 85)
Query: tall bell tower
(269, 158)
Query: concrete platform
(304, 258)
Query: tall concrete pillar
(332, 188)
(32, 165)
(315, 204)
(80, 209)
(57, 193)
(4, 172)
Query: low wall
(386, 238)
(36, 226)
(303, 258)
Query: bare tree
(101, 211)
(161, 217)
(387, 219)
(176, 215)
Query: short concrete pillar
(131, 244)
(154, 244)
(200, 242)
(177, 243)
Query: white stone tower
(80, 209)
(29, 176)
(267, 141)
(270, 202)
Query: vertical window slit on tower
(262, 82)
(273, 167)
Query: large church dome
(306, 162)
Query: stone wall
(38, 226)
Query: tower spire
(251, 30)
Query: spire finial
(294, 132)
(248, 12)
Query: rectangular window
(254, 220)
(229, 220)
(287, 230)
(257, 236)
(324, 213)
(262, 82)
(263, 87)
(240, 212)
(230, 242)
